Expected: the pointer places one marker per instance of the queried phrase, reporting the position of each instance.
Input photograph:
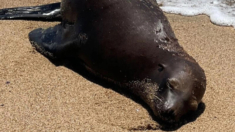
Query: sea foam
(221, 12)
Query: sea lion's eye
(160, 67)
(172, 83)
(169, 86)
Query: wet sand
(36, 95)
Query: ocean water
(221, 12)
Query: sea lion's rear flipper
(60, 41)
(50, 12)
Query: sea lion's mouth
(167, 116)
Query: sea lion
(127, 42)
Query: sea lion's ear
(173, 83)
(193, 105)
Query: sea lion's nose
(168, 115)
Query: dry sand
(36, 95)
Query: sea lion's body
(130, 43)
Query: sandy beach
(36, 95)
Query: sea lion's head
(181, 87)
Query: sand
(36, 95)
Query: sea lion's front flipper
(50, 12)
(60, 41)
